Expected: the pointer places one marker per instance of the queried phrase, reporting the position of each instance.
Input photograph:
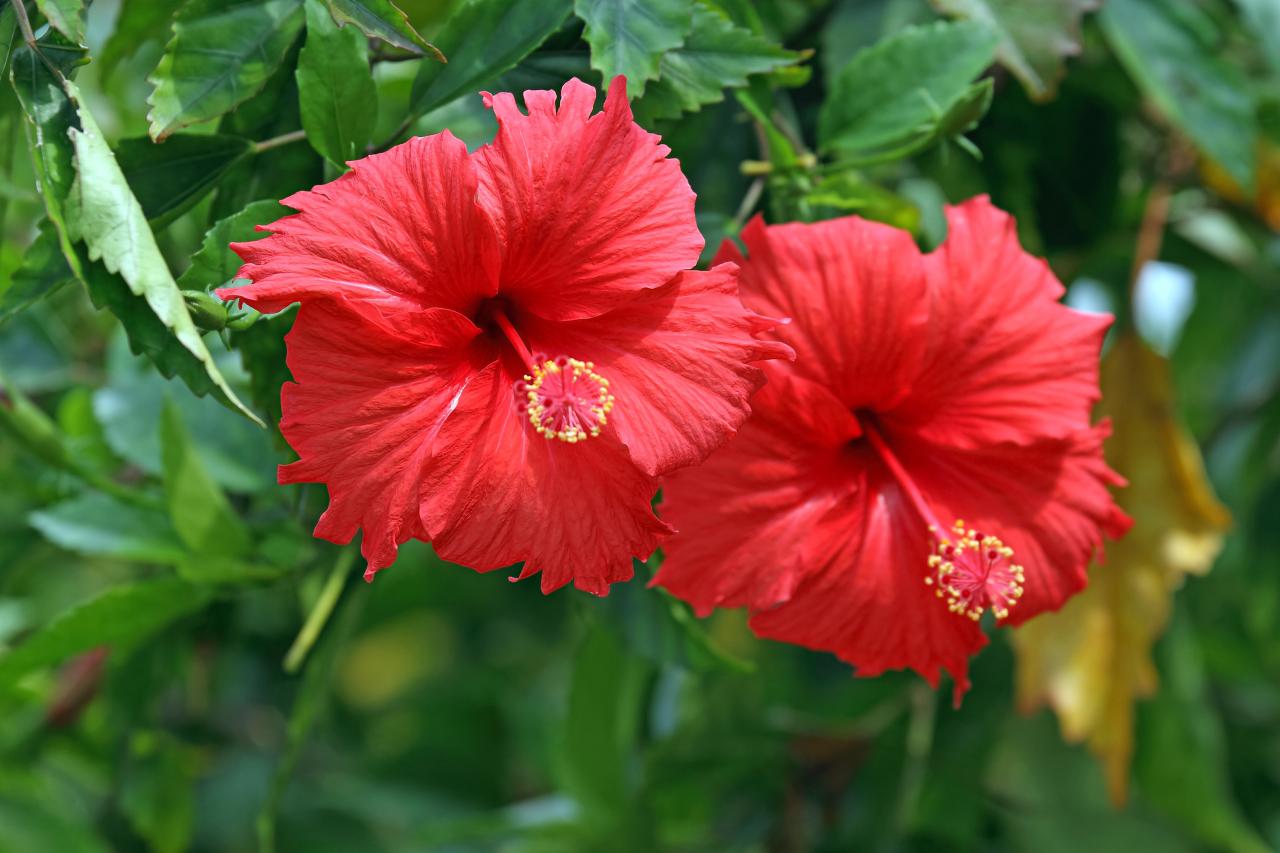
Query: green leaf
(715, 56)
(1035, 36)
(215, 264)
(65, 16)
(1181, 758)
(169, 179)
(238, 454)
(101, 526)
(201, 513)
(897, 93)
(50, 116)
(1262, 17)
(158, 791)
(107, 217)
(263, 350)
(850, 192)
(122, 615)
(628, 37)
(1170, 51)
(44, 270)
(602, 726)
(381, 19)
(221, 54)
(483, 39)
(136, 24)
(336, 92)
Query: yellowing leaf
(1091, 660)
(1265, 199)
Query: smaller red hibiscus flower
(926, 389)
(433, 283)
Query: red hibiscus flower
(926, 389)
(500, 352)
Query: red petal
(498, 493)
(1048, 501)
(679, 361)
(365, 411)
(590, 208)
(855, 293)
(758, 517)
(401, 228)
(1007, 361)
(871, 606)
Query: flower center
(566, 399)
(975, 572)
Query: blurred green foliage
(183, 667)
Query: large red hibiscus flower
(929, 456)
(500, 352)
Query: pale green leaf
(221, 54)
(381, 19)
(336, 92)
(105, 215)
(101, 526)
(1036, 36)
(122, 615)
(715, 56)
(629, 37)
(1169, 51)
(900, 91)
(65, 16)
(198, 508)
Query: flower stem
(320, 611)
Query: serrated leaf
(65, 16)
(101, 526)
(1170, 52)
(483, 39)
(1091, 660)
(336, 92)
(221, 54)
(168, 179)
(1036, 36)
(50, 116)
(105, 215)
(200, 512)
(122, 615)
(44, 270)
(891, 96)
(381, 19)
(716, 55)
(629, 37)
(215, 264)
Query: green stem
(277, 141)
(920, 725)
(321, 610)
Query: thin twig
(277, 141)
